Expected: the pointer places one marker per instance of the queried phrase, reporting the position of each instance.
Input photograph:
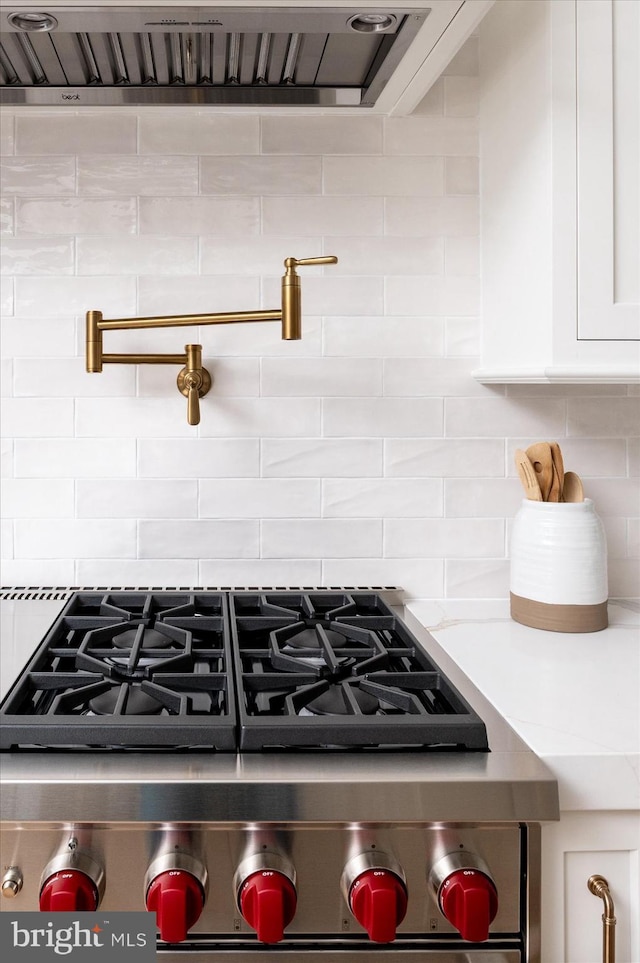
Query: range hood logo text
(44, 936)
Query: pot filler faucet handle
(291, 294)
(193, 381)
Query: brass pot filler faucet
(194, 381)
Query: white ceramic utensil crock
(559, 567)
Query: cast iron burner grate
(340, 670)
(127, 671)
(189, 670)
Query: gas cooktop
(234, 671)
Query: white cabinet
(580, 845)
(560, 191)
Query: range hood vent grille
(237, 56)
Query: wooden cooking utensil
(528, 476)
(540, 457)
(558, 467)
(572, 490)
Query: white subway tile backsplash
(382, 417)
(430, 376)
(321, 538)
(68, 378)
(260, 572)
(137, 255)
(363, 454)
(64, 297)
(198, 458)
(461, 96)
(197, 295)
(589, 417)
(441, 137)
(482, 579)
(75, 457)
(31, 418)
(444, 537)
(7, 133)
(6, 216)
(314, 216)
(75, 538)
(260, 175)
(463, 338)
(261, 418)
(482, 497)
(321, 377)
(31, 176)
(381, 498)
(137, 498)
(461, 175)
(144, 573)
(198, 133)
(491, 417)
(251, 255)
(76, 215)
(432, 216)
(259, 498)
(444, 457)
(321, 457)
(146, 176)
(379, 256)
(85, 133)
(321, 135)
(201, 539)
(384, 337)
(43, 256)
(37, 498)
(223, 216)
(384, 176)
(132, 417)
(7, 297)
(433, 295)
(38, 571)
(6, 458)
(462, 255)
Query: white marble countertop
(573, 698)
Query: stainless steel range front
(287, 774)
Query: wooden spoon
(555, 495)
(540, 457)
(528, 476)
(572, 490)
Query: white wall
(365, 453)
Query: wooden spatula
(540, 457)
(528, 476)
(555, 494)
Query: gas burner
(138, 703)
(309, 638)
(151, 639)
(337, 701)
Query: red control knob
(176, 897)
(378, 900)
(469, 901)
(69, 891)
(268, 903)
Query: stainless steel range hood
(230, 54)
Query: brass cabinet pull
(600, 887)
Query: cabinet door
(608, 161)
(579, 846)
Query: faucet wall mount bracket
(194, 381)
